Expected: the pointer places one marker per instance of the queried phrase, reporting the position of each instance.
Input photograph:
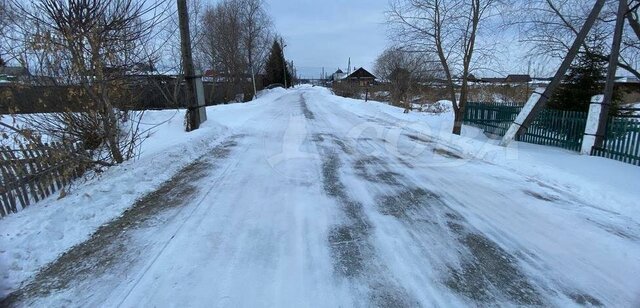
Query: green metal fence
(563, 129)
(622, 138)
(550, 127)
(559, 128)
(491, 117)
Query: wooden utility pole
(539, 100)
(284, 62)
(293, 75)
(611, 73)
(193, 118)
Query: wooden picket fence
(33, 172)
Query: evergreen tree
(2, 63)
(276, 67)
(586, 78)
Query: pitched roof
(14, 71)
(493, 80)
(361, 73)
(518, 78)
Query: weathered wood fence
(33, 172)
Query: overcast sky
(327, 32)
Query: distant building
(14, 74)
(492, 80)
(211, 75)
(510, 79)
(629, 89)
(337, 76)
(518, 79)
(361, 77)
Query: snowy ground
(306, 199)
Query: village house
(337, 76)
(361, 77)
(14, 74)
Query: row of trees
(458, 36)
(236, 36)
(406, 73)
(96, 48)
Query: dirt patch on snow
(112, 244)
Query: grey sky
(327, 32)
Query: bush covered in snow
(438, 107)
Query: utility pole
(349, 67)
(611, 73)
(284, 62)
(539, 100)
(193, 117)
(294, 74)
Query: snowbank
(608, 182)
(36, 235)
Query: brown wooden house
(361, 77)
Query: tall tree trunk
(459, 111)
(457, 121)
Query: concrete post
(200, 99)
(524, 114)
(593, 121)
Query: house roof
(518, 78)
(339, 71)
(361, 73)
(492, 80)
(14, 71)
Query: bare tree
(405, 72)
(550, 26)
(5, 21)
(222, 25)
(236, 39)
(449, 30)
(90, 46)
(256, 36)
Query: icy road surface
(310, 205)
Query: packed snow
(310, 199)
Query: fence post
(524, 113)
(591, 129)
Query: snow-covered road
(308, 204)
